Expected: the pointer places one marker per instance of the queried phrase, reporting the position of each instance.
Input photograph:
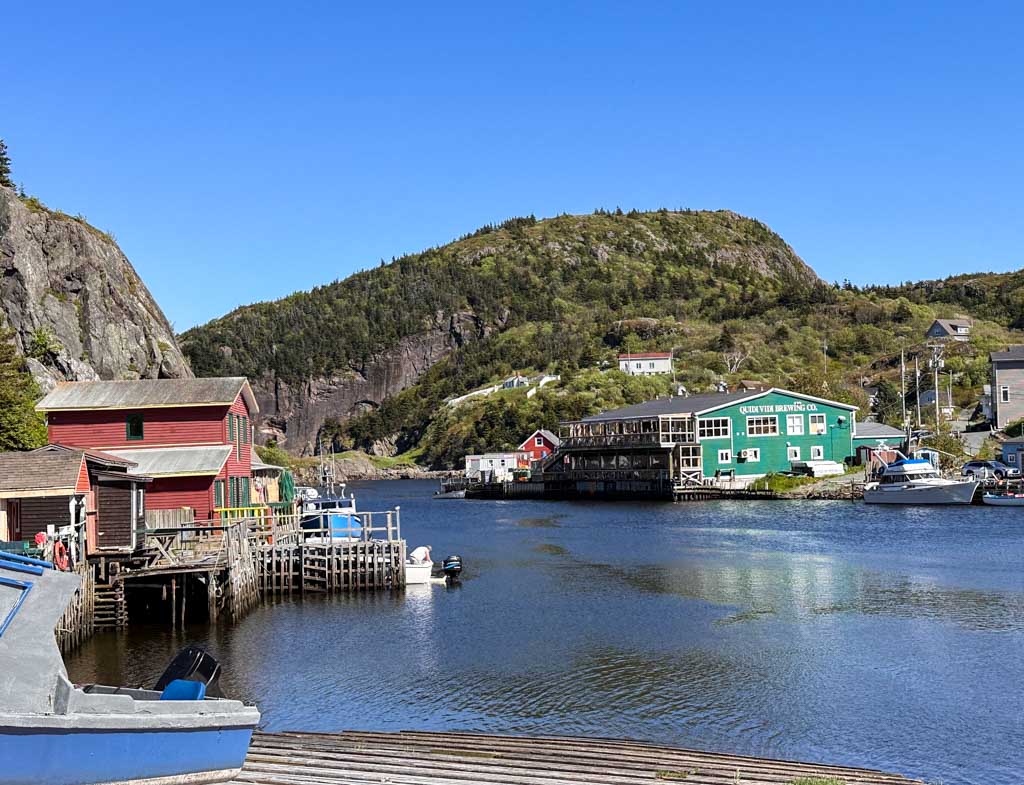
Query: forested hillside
(565, 296)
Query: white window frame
(725, 455)
(792, 454)
(712, 428)
(817, 452)
(1004, 393)
(817, 419)
(538, 441)
(798, 421)
(766, 418)
(1011, 457)
(757, 454)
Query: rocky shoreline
(354, 468)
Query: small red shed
(540, 444)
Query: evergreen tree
(21, 427)
(5, 166)
(887, 403)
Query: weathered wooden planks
(420, 758)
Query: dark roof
(950, 325)
(695, 404)
(39, 471)
(1010, 353)
(93, 456)
(645, 356)
(148, 393)
(877, 430)
(673, 405)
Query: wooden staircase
(110, 608)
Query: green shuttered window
(133, 428)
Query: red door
(14, 519)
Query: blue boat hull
(90, 757)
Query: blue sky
(239, 152)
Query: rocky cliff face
(78, 308)
(292, 414)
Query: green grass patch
(780, 483)
(817, 781)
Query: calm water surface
(829, 631)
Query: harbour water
(830, 631)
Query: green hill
(565, 296)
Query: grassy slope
(567, 294)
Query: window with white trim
(752, 454)
(713, 428)
(817, 452)
(538, 441)
(817, 422)
(763, 426)
(792, 453)
(795, 424)
(1004, 393)
(1011, 457)
(725, 456)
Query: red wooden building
(540, 444)
(193, 437)
(89, 499)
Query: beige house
(959, 329)
(1007, 385)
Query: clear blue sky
(242, 151)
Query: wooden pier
(415, 758)
(228, 566)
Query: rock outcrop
(78, 309)
(292, 414)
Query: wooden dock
(415, 758)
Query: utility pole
(903, 387)
(936, 364)
(917, 390)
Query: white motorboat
(1004, 499)
(916, 481)
(418, 572)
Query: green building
(673, 442)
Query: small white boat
(916, 481)
(1004, 499)
(418, 572)
(459, 494)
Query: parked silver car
(996, 469)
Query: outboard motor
(452, 568)
(193, 663)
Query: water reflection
(814, 631)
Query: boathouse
(94, 501)
(193, 437)
(669, 443)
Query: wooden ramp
(413, 758)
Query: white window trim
(792, 454)
(812, 419)
(819, 450)
(757, 454)
(1004, 393)
(762, 417)
(708, 421)
(538, 441)
(728, 456)
(794, 418)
